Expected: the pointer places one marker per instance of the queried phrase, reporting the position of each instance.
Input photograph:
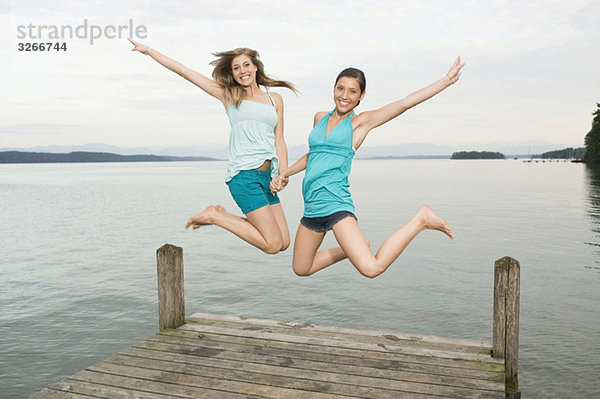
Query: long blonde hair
(233, 92)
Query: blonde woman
(257, 149)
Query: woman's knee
(286, 243)
(274, 245)
(272, 249)
(301, 270)
(370, 269)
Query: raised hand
(142, 48)
(454, 72)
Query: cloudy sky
(531, 71)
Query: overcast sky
(531, 71)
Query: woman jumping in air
(257, 150)
(327, 201)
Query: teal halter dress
(325, 187)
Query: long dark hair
(233, 92)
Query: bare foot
(432, 221)
(223, 212)
(204, 218)
(220, 209)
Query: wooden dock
(214, 356)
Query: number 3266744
(42, 46)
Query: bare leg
(307, 260)
(279, 218)
(351, 240)
(282, 224)
(260, 227)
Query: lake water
(78, 266)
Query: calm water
(78, 267)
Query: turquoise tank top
(252, 137)
(325, 187)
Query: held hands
(454, 72)
(279, 183)
(142, 48)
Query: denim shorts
(251, 189)
(325, 223)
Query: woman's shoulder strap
(269, 94)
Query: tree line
(592, 140)
(566, 153)
(477, 155)
(83, 157)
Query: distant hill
(477, 155)
(567, 153)
(523, 149)
(82, 156)
(411, 157)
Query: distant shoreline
(26, 157)
(21, 157)
(407, 157)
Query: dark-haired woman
(327, 201)
(257, 150)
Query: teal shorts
(251, 189)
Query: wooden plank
(340, 330)
(331, 383)
(186, 380)
(323, 372)
(133, 384)
(351, 355)
(310, 360)
(52, 394)
(105, 391)
(384, 339)
(325, 344)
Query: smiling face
(346, 94)
(243, 70)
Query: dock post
(505, 343)
(169, 270)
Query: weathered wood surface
(499, 324)
(505, 343)
(230, 357)
(169, 272)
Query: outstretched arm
(203, 82)
(369, 120)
